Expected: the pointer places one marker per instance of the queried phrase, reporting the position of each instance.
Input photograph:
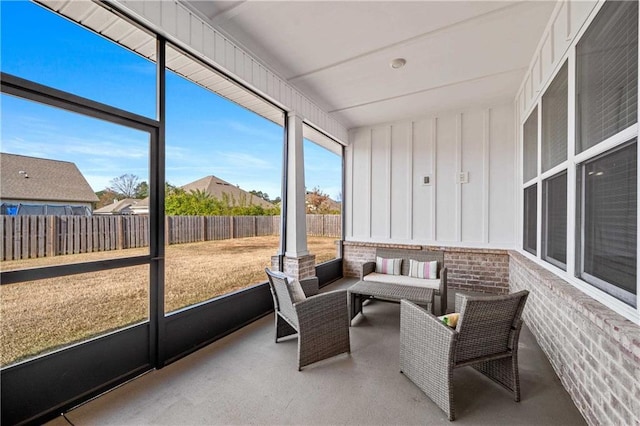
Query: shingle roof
(216, 187)
(117, 207)
(48, 180)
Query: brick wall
(481, 270)
(354, 255)
(594, 351)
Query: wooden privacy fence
(188, 229)
(25, 237)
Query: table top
(393, 291)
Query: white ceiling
(460, 54)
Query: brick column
(299, 267)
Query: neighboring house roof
(141, 204)
(118, 207)
(41, 179)
(216, 187)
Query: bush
(199, 203)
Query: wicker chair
(486, 338)
(321, 321)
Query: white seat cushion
(403, 280)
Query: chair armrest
(326, 309)
(460, 300)
(367, 268)
(310, 286)
(515, 336)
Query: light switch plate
(463, 177)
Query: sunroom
(502, 135)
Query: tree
(125, 185)
(142, 190)
(260, 194)
(319, 203)
(106, 197)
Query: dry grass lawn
(39, 316)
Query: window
(323, 181)
(223, 183)
(607, 222)
(604, 249)
(554, 121)
(554, 220)
(51, 50)
(70, 178)
(530, 219)
(530, 160)
(607, 74)
(44, 315)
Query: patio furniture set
(485, 336)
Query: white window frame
(591, 287)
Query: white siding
(380, 182)
(566, 22)
(401, 181)
(360, 172)
(447, 201)
(388, 163)
(502, 177)
(473, 192)
(423, 198)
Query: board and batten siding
(566, 22)
(388, 202)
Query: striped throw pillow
(427, 270)
(388, 266)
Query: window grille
(607, 74)
(607, 222)
(530, 160)
(530, 219)
(554, 220)
(554, 121)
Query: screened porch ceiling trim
(102, 21)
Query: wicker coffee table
(363, 290)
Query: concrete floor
(246, 378)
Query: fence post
(119, 233)
(203, 228)
(231, 226)
(167, 231)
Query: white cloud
(262, 134)
(244, 160)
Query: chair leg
(283, 328)
(504, 372)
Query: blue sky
(206, 135)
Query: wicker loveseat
(439, 285)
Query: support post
(297, 260)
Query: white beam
(296, 242)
